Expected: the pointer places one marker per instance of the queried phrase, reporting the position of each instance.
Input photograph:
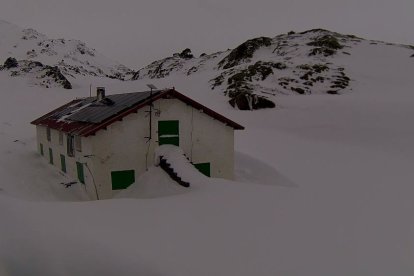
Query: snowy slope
(323, 186)
(71, 57)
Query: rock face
(45, 75)
(244, 52)
(67, 58)
(259, 70)
(57, 76)
(250, 101)
(326, 45)
(10, 63)
(186, 54)
(162, 68)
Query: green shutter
(50, 156)
(168, 127)
(168, 132)
(122, 179)
(169, 141)
(79, 169)
(41, 149)
(204, 168)
(63, 163)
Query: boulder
(10, 63)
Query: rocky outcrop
(10, 63)
(57, 76)
(71, 57)
(250, 101)
(44, 75)
(257, 71)
(244, 52)
(326, 45)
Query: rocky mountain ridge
(52, 62)
(256, 71)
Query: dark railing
(170, 171)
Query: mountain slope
(37, 54)
(256, 71)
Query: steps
(170, 171)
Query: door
(168, 132)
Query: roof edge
(88, 130)
(207, 110)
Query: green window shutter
(48, 134)
(169, 141)
(63, 163)
(168, 127)
(168, 132)
(81, 175)
(204, 168)
(41, 149)
(122, 179)
(50, 156)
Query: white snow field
(324, 186)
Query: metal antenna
(150, 86)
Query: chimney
(100, 93)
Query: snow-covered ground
(324, 186)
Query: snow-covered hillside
(49, 62)
(323, 183)
(255, 72)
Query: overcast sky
(136, 32)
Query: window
(63, 163)
(78, 143)
(81, 175)
(50, 156)
(122, 179)
(48, 136)
(60, 138)
(70, 145)
(41, 149)
(168, 132)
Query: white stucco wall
(57, 150)
(123, 145)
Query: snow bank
(152, 184)
(32, 244)
(252, 170)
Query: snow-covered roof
(86, 116)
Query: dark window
(50, 156)
(63, 163)
(41, 149)
(81, 175)
(60, 138)
(48, 135)
(78, 143)
(168, 132)
(70, 145)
